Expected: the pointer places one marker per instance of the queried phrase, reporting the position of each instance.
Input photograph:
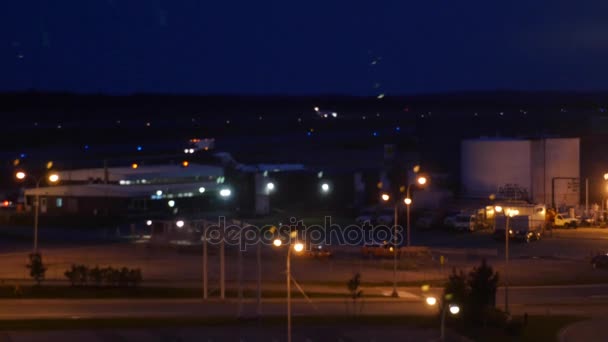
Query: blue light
(375, 134)
(139, 148)
(23, 155)
(308, 133)
(86, 147)
(397, 128)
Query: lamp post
(52, 178)
(408, 201)
(508, 214)
(444, 307)
(298, 247)
(386, 198)
(604, 205)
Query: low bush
(81, 275)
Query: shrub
(476, 294)
(96, 275)
(123, 277)
(135, 277)
(71, 275)
(81, 275)
(37, 268)
(78, 275)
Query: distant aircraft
(325, 113)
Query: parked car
(378, 250)
(600, 261)
(427, 220)
(317, 251)
(365, 216)
(385, 217)
(460, 222)
(563, 221)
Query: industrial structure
(543, 170)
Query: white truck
(524, 222)
(460, 222)
(562, 220)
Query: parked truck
(524, 222)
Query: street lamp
(508, 214)
(408, 201)
(324, 188)
(52, 178)
(386, 198)
(297, 247)
(604, 205)
(444, 307)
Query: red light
(6, 203)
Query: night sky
(302, 47)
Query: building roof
(116, 174)
(126, 191)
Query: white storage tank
(488, 166)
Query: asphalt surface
(300, 333)
(586, 300)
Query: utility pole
(205, 264)
(259, 265)
(240, 275)
(222, 260)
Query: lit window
(59, 202)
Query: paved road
(237, 333)
(593, 330)
(591, 300)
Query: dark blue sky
(303, 47)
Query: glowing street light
(225, 193)
(201, 189)
(159, 193)
(454, 309)
(444, 307)
(149, 223)
(179, 223)
(297, 247)
(508, 213)
(421, 180)
(407, 201)
(325, 188)
(385, 197)
(171, 203)
(134, 166)
(52, 178)
(270, 186)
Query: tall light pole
(386, 198)
(444, 307)
(298, 247)
(604, 205)
(508, 214)
(408, 201)
(52, 178)
(224, 193)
